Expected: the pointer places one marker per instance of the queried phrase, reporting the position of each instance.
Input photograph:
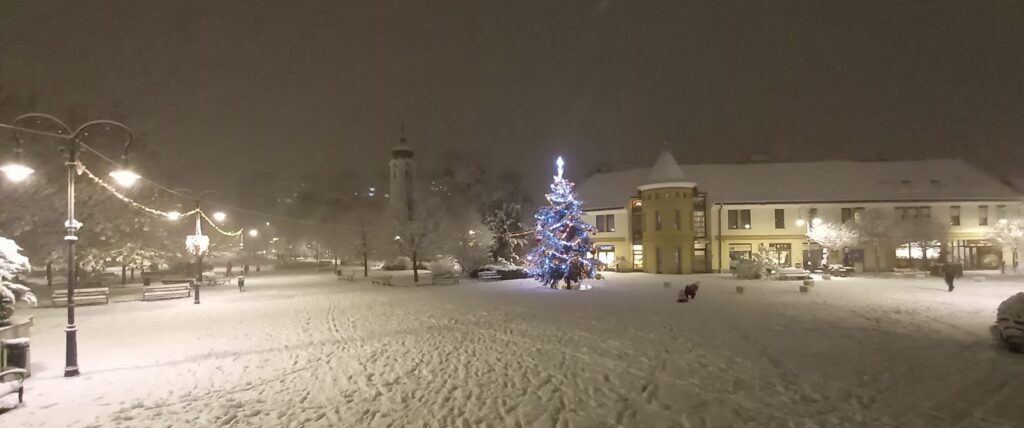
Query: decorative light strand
(214, 225)
(82, 169)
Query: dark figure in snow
(949, 271)
(245, 269)
(257, 268)
(228, 268)
(682, 297)
(574, 273)
(691, 290)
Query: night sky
(235, 86)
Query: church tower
(403, 175)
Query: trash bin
(16, 353)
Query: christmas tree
(563, 239)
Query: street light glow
(800, 222)
(253, 233)
(219, 216)
(173, 215)
(124, 177)
(816, 222)
(16, 172)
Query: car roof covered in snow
(798, 182)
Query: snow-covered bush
(504, 268)
(756, 267)
(12, 263)
(1010, 321)
(401, 263)
(445, 266)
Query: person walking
(229, 267)
(950, 272)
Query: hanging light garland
(166, 214)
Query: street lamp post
(815, 222)
(73, 142)
(201, 243)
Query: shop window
(954, 215)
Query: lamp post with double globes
(72, 144)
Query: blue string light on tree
(564, 251)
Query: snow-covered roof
(828, 181)
(665, 170)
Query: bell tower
(403, 175)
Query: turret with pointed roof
(666, 173)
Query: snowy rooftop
(830, 181)
(665, 170)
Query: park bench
(488, 275)
(351, 276)
(792, 273)
(168, 289)
(210, 278)
(384, 280)
(16, 384)
(83, 296)
(451, 279)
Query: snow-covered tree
(877, 228)
(834, 237)
(12, 262)
(1010, 235)
(503, 221)
(564, 250)
(922, 232)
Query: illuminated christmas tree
(564, 251)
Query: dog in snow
(689, 292)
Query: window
(780, 219)
(606, 223)
(781, 253)
(657, 220)
(982, 215)
(656, 196)
(739, 219)
(852, 214)
(677, 220)
(699, 224)
(677, 195)
(600, 223)
(914, 213)
(606, 255)
(954, 215)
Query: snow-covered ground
(310, 350)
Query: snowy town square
(308, 349)
(523, 214)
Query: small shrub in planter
(11, 264)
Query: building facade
(706, 218)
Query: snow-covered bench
(83, 296)
(15, 384)
(792, 273)
(488, 275)
(169, 289)
(451, 279)
(384, 280)
(210, 278)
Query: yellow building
(706, 217)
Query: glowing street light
(16, 172)
(254, 233)
(173, 215)
(219, 216)
(816, 221)
(124, 177)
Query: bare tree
(876, 228)
(923, 232)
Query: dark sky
(296, 86)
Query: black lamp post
(198, 198)
(72, 145)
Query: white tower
(403, 175)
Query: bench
(83, 296)
(451, 279)
(792, 273)
(351, 276)
(169, 289)
(17, 384)
(384, 280)
(210, 278)
(488, 275)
